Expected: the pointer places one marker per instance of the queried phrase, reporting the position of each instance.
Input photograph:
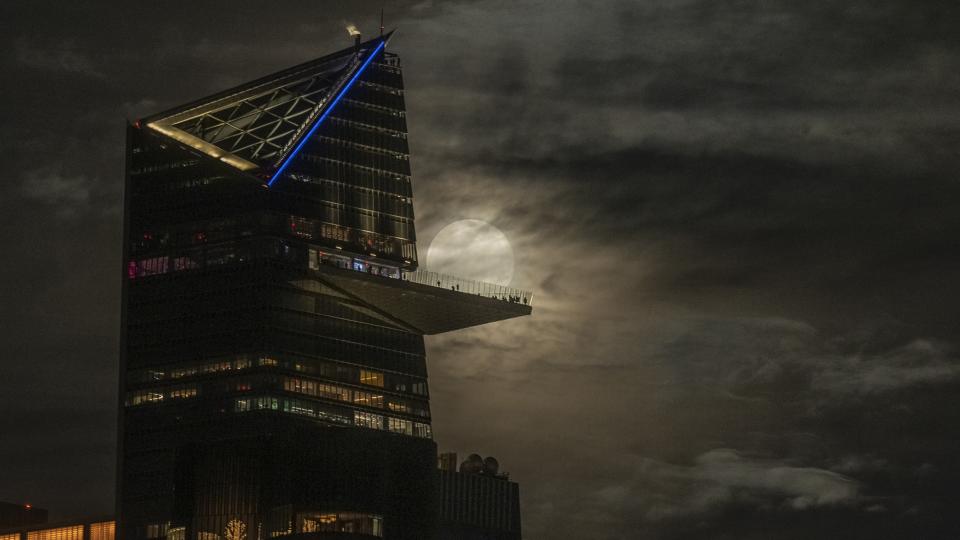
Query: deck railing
(480, 288)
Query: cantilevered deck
(429, 302)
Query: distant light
(28, 506)
(326, 112)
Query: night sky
(740, 220)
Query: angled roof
(259, 125)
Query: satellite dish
(491, 466)
(472, 465)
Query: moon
(472, 249)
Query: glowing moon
(472, 249)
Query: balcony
(479, 288)
(426, 302)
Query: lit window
(398, 406)
(267, 403)
(102, 531)
(156, 530)
(368, 399)
(367, 420)
(340, 522)
(422, 430)
(74, 532)
(398, 425)
(144, 396)
(372, 378)
(182, 393)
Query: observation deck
(430, 302)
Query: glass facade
(240, 360)
(273, 371)
(73, 532)
(100, 530)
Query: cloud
(70, 194)
(723, 477)
(921, 362)
(655, 496)
(63, 58)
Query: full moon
(472, 249)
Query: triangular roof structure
(258, 126)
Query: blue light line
(323, 116)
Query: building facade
(477, 501)
(92, 529)
(273, 377)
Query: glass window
(340, 522)
(372, 378)
(74, 532)
(367, 420)
(398, 425)
(422, 430)
(102, 531)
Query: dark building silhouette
(477, 502)
(273, 378)
(101, 528)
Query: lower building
(477, 502)
(90, 529)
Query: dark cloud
(737, 217)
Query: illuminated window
(74, 532)
(368, 399)
(14, 536)
(183, 372)
(218, 366)
(144, 396)
(313, 388)
(182, 393)
(422, 430)
(372, 378)
(398, 406)
(367, 420)
(156, 530)
(340, 522)
(102, 531)
(266, 403)
(267, 361)
(398, 425)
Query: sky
(738, 218)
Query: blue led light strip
(323, 116)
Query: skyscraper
(273, 378)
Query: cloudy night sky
(739, 220)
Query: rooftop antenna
(381, 22)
